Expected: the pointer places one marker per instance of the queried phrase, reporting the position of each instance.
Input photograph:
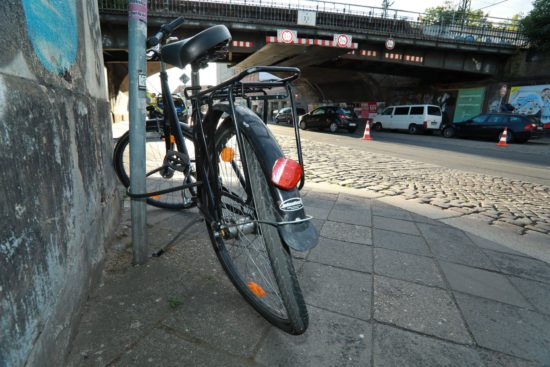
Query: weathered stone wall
(529, 67)
(57, 187)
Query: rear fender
(299, 236)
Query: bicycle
(245, 188)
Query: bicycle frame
(245, 187)
(292, 227)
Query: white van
(414, 118)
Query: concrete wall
(529, 67)
(57, 186)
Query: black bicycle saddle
(201, 45)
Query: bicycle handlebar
(165, 31)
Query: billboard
(532, 100)
(468, 103)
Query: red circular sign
(343, 40)
(390, 43)
(287, 36)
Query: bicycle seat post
(195, 79)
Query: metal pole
(137, 31)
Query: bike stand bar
(137, 32)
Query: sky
(505, 9)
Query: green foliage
(448, 14)
(174, 302)
(536, 25)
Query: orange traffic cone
(503, 138)
(366, 134)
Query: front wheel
(449, 132)
(251, 252)
(303, 125)
(377, 126)
(158, 176)
(510, 137)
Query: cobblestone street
(518, 205)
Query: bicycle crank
(176, 161)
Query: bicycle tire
(267, 261)
(155, 151)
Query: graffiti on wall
(52, 30)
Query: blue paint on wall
(52, 29)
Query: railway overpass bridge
(342, 49)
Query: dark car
(331, 117)
(490, 125)
(285, 114)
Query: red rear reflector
(425, 124)
(286, 173)
(529, 127)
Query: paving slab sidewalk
(384, 287)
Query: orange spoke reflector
(256, 289)
(155, 196)
(227, 154)
(172, 138)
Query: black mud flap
(299, 233)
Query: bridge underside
(336, 75)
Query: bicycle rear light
(286, 173)
(227, 154)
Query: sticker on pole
(342, 40)
(137, 9)
(287, 36)
(142, 81)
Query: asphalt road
(529, 162)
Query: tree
(448, 14)
(536, 25)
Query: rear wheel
(413, 129)
(521, 141)
(333, 127)
(158, 175)
(252, 254)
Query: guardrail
(337, 17)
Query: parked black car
(490, 125)
(285, 114)
(331, 117)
